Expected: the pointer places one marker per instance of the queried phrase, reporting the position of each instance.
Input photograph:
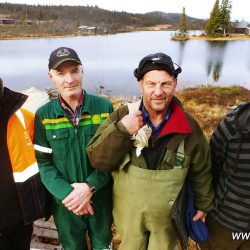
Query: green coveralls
(62, 159)
(150, 229)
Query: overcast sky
(194, 8)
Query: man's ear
(175, 83)
(49, 75)
(140, 86)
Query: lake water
(109, 60)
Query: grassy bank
(11, 32)
(232, 37)
(209, 104)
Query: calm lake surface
(109, 60)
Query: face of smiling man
(67, 78)
(157, 87)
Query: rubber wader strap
(180, 155)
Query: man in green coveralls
(63, 127)
(152, 147)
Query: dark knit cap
(157, 61)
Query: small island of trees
(218, 26)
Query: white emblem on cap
(62, 52)
(156, 59)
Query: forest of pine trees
(68, 18)
(59, 20)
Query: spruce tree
(213, 23)
(225, 16)
(182, 27)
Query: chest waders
(143, 202)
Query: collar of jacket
(11, 101)
(87, 106)
(178, 122)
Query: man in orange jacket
(23, 198)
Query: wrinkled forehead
(68, 65)
(157, 76)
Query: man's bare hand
(87, 209)
(133, 122)
(199, 215)
(78, 198)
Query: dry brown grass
(208, 117)
(116, 238)
(160, 27)
(210, 104)
(15, 32)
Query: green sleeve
(97, 178)
(50, 176)
(110, 143)
(200, 176)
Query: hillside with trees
(66, 20)
(174, 19)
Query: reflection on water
(182, 45)
(215, 58)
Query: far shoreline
(34, 37)
(22, 36)
(234, 37)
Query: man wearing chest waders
(151, 147)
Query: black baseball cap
(61, 55)
(157, 61)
